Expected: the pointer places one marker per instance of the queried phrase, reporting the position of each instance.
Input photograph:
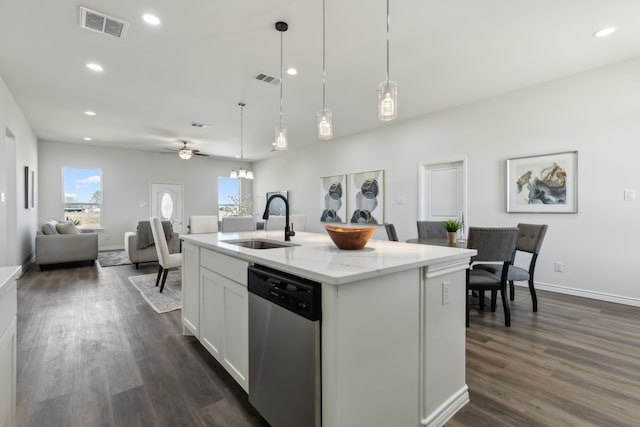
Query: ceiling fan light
(185, 153)
(281, 139)
(325, 124)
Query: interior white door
(3, 202)
(167, 204)
(442, 191)
(8, 201)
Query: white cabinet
(224, 312)
(8, 345)
(212, 311)
(191, 289)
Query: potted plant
(452, 226)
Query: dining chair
(166, 260)
(430, 229)
(199, 224)
(391, 232)
(493, 244)
(529, 240)
(233, 224)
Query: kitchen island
(393, 321)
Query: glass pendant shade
(249, 174)
(387, 100)
(185, 153)
(242, 173)
(281, 139)
(233, 174)
(325, 124)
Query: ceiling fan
(185, 152)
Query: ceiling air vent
(263, 77)
(101, 23)
(200, 125)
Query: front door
(166, 204)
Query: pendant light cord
(281, 79)
(387, 41)
(323, 56)
(242, 134)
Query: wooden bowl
(350, 238)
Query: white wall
(126, 179)
(22, 222)
(596, 113)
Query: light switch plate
(629, 194)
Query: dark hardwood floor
(91, 352)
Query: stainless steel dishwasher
(284, 348)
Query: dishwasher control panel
(297, 294)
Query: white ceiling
(202, 61)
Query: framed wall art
(333, 199)
(29, 188)
(546, 183)
(366, 197)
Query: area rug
(171, 297)
(111, 258)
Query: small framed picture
(545, 183)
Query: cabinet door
(8, 346)
(191, 289)
(236, 332)
(212, 312)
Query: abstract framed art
(545, 183)
(366, 197)
(333, 190)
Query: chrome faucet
(288, 232)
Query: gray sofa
(148, 254)
(56, 248)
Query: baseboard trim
(448, 409)
(111, 248)
(602, 296)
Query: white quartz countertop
(317, 258)
(7, 274)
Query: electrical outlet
(558, 266)
(445, 292)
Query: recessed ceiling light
(604, 32)
(292, 71)
(94, 67)
(90, 113)
(151, 19)
(86, 138)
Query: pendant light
(281, 142)
(387, 90)
(325, 124)
(242, 172)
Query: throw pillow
(67, 228)
(49, 227)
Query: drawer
(229, 267)
(8, 305)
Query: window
(82, 196)
(228, 197)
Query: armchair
(148, 254)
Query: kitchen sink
(259, 243)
